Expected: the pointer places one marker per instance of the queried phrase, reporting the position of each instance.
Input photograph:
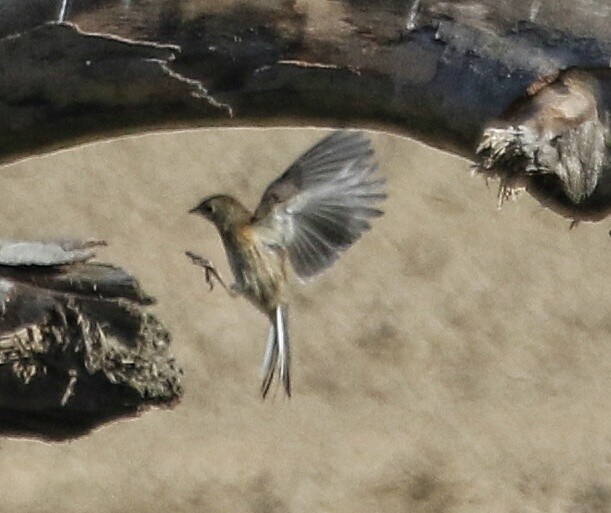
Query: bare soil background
(455, 360)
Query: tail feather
(277, 352)
(269, 361)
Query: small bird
(315, 210)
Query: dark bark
(440, 71)
(76, 346)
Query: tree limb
(76, 346)
(444, 72)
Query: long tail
(277, 352)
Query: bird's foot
(210, 272)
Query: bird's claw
(210, 272)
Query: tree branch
(444, 72)
(76, 346)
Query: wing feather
(323, 202)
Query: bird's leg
(210, 272)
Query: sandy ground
(455, 360)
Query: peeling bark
(76, 346)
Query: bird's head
(222, 210)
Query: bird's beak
(193, 210)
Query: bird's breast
(259, 270)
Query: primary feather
(323, 202)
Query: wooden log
(77, 347)
(443, 72)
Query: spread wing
(323, 202)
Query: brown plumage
(315, 210)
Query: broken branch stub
(554, 142)
(76, 347)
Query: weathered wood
(440, 71)
(76, 346)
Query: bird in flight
(315, 210)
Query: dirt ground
(455, 360)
